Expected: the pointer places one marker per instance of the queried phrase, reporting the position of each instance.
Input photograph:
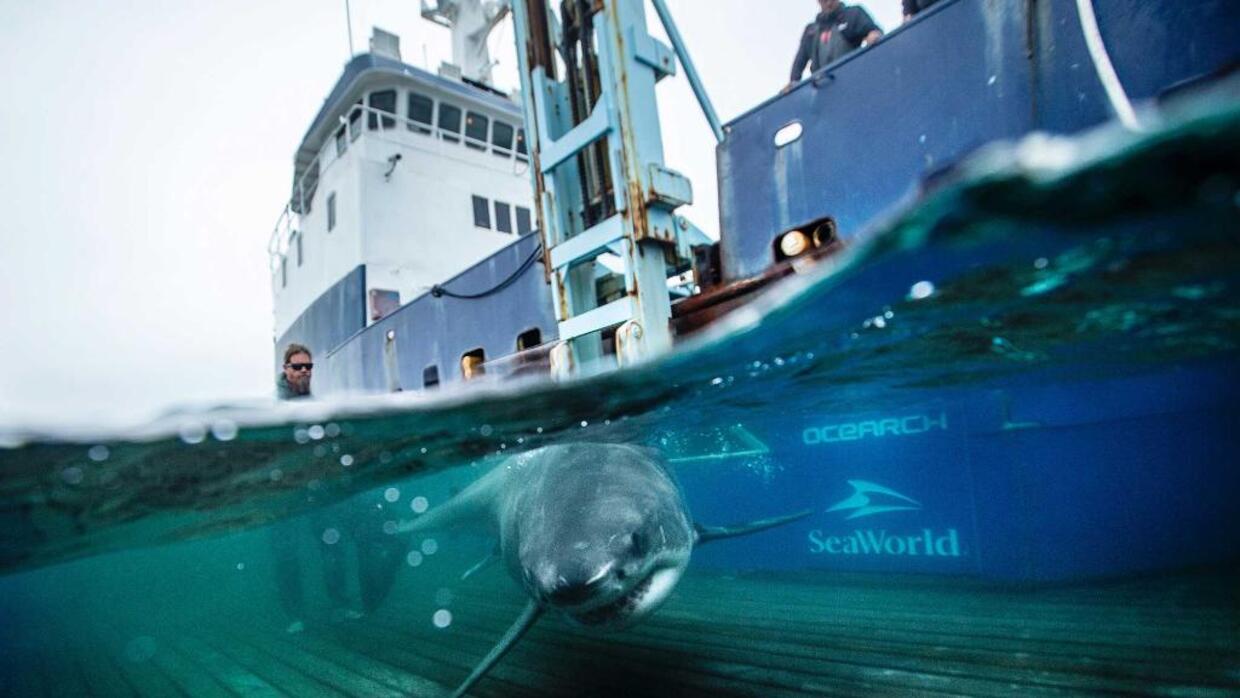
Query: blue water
(1012, 410)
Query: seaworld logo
(874, 428)
(868, 499)
(871, 542)
(861, 504)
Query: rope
(438, 291)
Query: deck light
(793, 243)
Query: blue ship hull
(1098, 479)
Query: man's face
(828, 6)
(297, 371)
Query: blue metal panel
(877, 122)
(331, 319)
(439, 330)
(1153, 45)
(874, 123)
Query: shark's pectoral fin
(706, 534)
(508, 641)
(471, 506)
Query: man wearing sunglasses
(294, 382)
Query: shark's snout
(576, 585)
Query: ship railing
(448, 141)
(382, 124)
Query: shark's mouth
(619, 610)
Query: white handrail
(1120, 104)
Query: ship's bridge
(404, 178)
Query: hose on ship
(439, 291)
(1121, 105)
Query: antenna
(471, 22)
(348, 23)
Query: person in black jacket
(838, 30)
(912, 7)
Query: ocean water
(1011, 409)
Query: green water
(145, 560)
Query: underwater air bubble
(442, 618)
(332, 430)
(72, 475)
(444, 596)
(346, 460)
(430, 546)
(390, 528)
(224, 430)
(414, 558)
(192, 433)
(391, 494)
(98, 453)
(920, 290)
(240, 566)
(419, 504)
(424, 450)
(276, 475)
(301, 435)
(485, 430)
(1040, 263)
(331, 536)
(315, 431)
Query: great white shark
(596, 532)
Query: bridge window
(529, 339)
(501, 139)
(482, 213)
(472, 364)
(355, 121)
(523, 220)
(449, 123)
(476, 131)
(384, 101)
(342, 140)
(331, 211)
(503, 217)
(421, 113)
(522, 153)
(430, 377)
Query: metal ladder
(588, 77)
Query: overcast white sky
(146, 150)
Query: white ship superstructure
(409, 176)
